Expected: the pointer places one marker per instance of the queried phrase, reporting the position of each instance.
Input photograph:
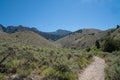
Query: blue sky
(49, 15)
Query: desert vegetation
(27, 55)
(112, 59)
(112, 70)
(113, 66)
(110, 51)
(50, 64)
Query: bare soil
(95, 71)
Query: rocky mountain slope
(84, 38)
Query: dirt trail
(95, 71)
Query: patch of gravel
(95, 71)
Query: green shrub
(97, 44)
(112, 70)
(54, 64)
(111, 45)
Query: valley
(86, 54)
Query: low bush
(112, 70)
(111, 45)
(53, 64)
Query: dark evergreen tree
(118, 26)
(111, 45)
(97, 44)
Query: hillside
(84, 38)
(81, 38)
(116, 33)
(25, 38)
(27, 56)
(48, 35)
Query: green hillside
(26, 55)
(80, 39)
(48, 35)
(25, 38)
(86, 38)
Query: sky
(50, 15)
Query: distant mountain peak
(60, 32)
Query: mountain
(84, 38)
(2, 28)
(60, 32)
(27, 56)
(79, 39)
(48, 35)
(25, 38)
(116, 33)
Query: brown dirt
(95, 71)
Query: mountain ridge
(85, 38)
(48, 35)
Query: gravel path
(95, 71)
